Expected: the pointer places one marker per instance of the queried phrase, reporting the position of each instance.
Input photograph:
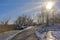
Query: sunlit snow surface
(50, 35)
(53, 32)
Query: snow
(56, 34)
(50, 35)
(53, 32)
(40, 35)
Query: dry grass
(4, 28)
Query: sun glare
(49, 5)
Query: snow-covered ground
(52, 33)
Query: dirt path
(26, 35)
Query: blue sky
(15, 8)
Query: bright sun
(49, 5)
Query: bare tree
(20, 20)
(5, 22)
(24, 20)
(4, 25)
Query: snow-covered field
(52, 33)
